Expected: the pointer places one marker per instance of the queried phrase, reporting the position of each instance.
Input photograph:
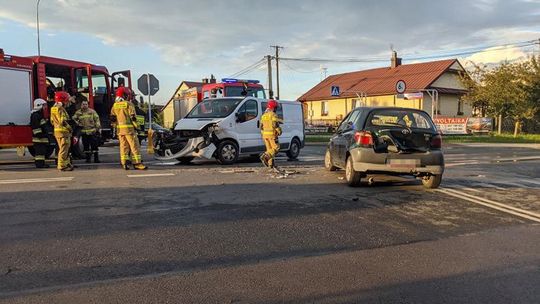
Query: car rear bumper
(365, 160)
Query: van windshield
(214, 108)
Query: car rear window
(404, 118)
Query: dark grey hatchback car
(396, 141)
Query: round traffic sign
(401, 86)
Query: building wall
(171, 111)
(168, 115)
(339, 108)
(449, 80)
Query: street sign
(401, 86)
(335, 91)
(144, 82)
(413, 96)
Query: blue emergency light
(234, 80)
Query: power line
(248, 68)
(461, 52)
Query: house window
(460, 107)
(324, 108)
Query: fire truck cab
(23, 79)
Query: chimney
(212, 78)
(205, 80)
(396, 61)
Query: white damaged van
(228, 128)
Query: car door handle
(258, 124)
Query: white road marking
(531, 181)
(530, 215)
(462, 163)
(36, 180)
(150, 175)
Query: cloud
(224, 36)
(495, 55)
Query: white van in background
(228, 128)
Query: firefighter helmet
(123, 92)
(39, 103)
(272, 104)
(61, 96)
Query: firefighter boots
(96, 158)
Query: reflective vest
(59, 119)
(270, 124)
(124, 117)
(88, 120)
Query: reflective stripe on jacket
(123, 114)
(59, 119)
(88, 120)
(270, 124)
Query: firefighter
(270, 131)
(123, 118)
(62, 130)
(88, 120)
(40, 138)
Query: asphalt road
(204, 233)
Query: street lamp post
(37, 17)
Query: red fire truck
(23, 79)
(233, 87)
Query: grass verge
(456, 139)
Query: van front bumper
(195, 147)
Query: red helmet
(123, 92)
(61, 96)
(272, 104)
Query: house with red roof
(431, 86)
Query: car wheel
(352, 177)
(432, 181)
(294, 149)
(185, 160)
(227, 152)
(328, 163)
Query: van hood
(195, 123)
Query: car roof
(369, 109)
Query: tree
(508, 90)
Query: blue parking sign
(335, 91)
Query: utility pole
(270, 92)
(37, 21)
(277, 47)
(323, 72)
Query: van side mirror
(240, 116)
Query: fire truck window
(81, 80)
(99, 83)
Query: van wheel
(353, 177)
(227, 152)
(328, 163)
(432, 181)
(294, 149)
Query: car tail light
(436, 141)
(363, 138)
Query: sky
(189, 40)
